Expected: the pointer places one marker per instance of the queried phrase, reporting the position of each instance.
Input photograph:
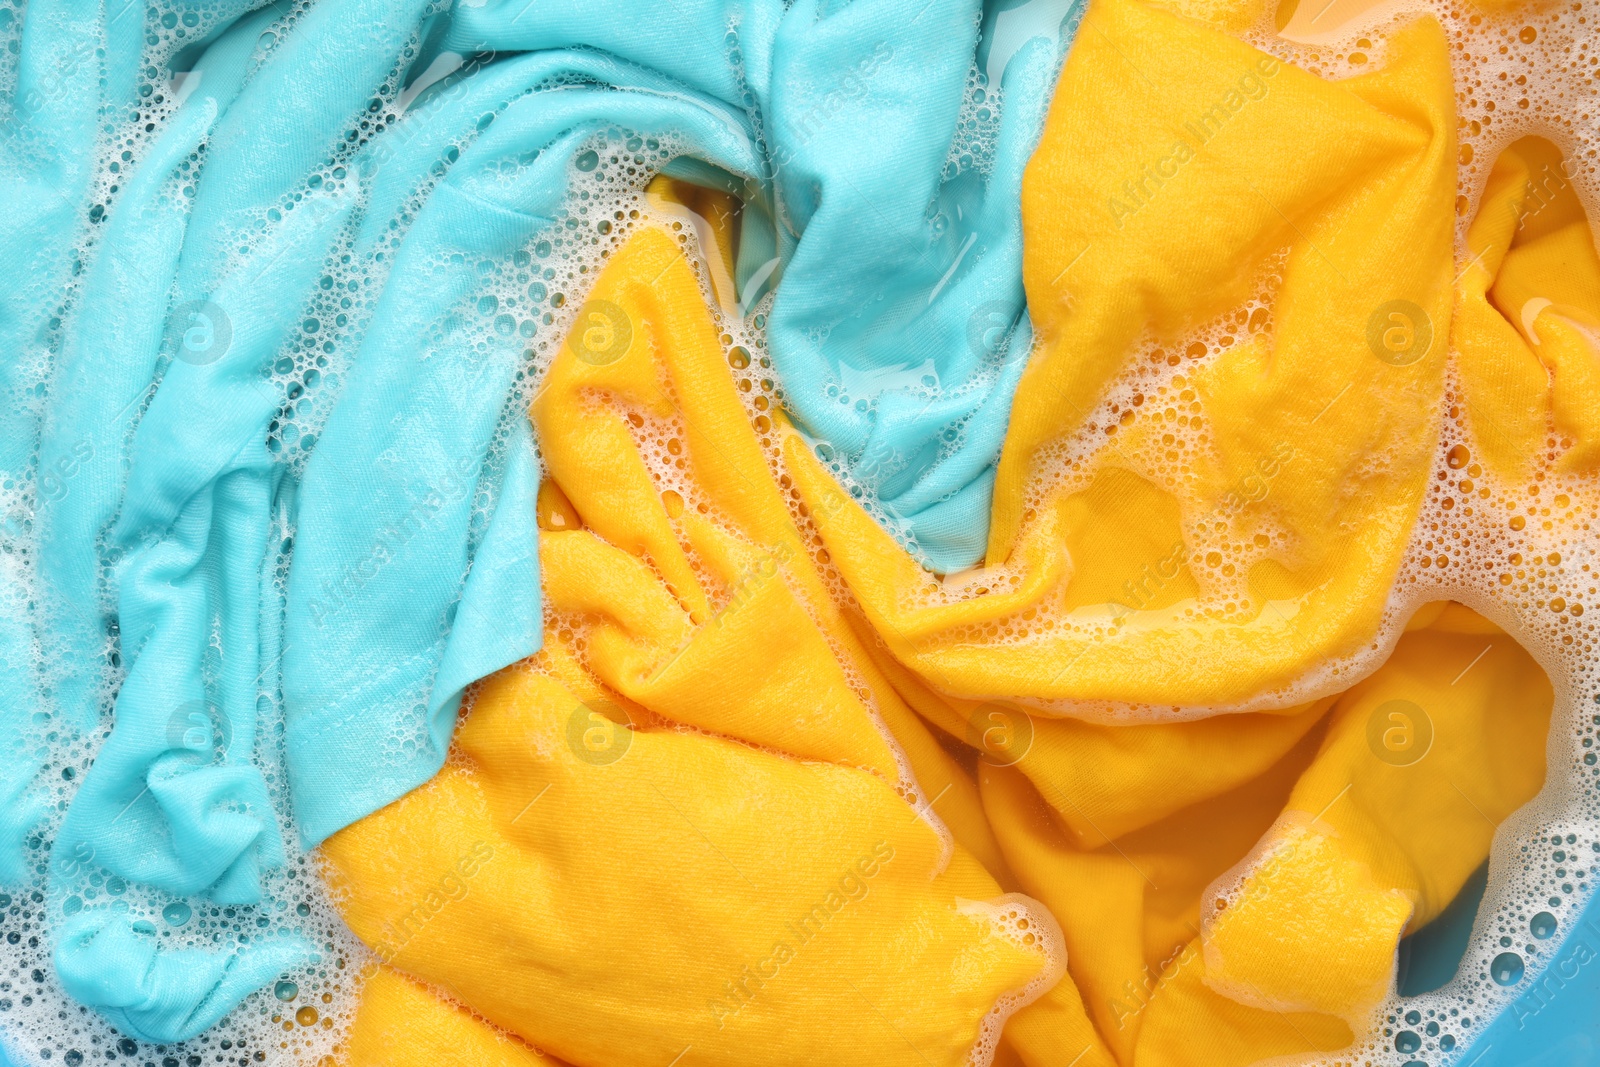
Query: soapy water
(1468, 546)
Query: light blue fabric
(144, 990)
(903, 353)
(268, 478)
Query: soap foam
(1025, 923)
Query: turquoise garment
(900, 331)
(269, 480)
(903, 353)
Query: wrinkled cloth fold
(272, 484)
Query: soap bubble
(199, 332)
(1506, 968)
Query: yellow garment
(711, 215)
(562, 864)
(401, 1024)
(1527, 325)
(1366, 846)
(1105, 781)
(1130, 909)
